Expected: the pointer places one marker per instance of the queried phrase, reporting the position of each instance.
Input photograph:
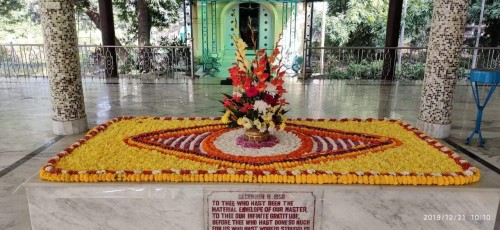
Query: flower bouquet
(256, 103)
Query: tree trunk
(144, 35)
(108, 37)
(493, 30)
(94, 17)
(391, 38)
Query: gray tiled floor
(25, 117)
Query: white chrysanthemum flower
(270, 89)
(237, 94)
(261, 106)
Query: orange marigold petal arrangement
(307, 151)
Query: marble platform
(25, 118)
(181, 205)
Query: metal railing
(367, 62)
(22, 60)
(28, 60)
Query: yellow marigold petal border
(469, 173)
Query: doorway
(262, 25)
(249, 23)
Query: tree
(143, 15)
(356, 22)
(7, 7)
(418, 22)
(92, 12)
(491, 18)
(335, 7)
(362, 22)
(108, 36)
(17, 17)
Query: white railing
(28, 60)
(18, 60)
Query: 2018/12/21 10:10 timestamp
(446, 217)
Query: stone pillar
(443, 55)
(61, 53)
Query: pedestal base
(181, 205)
(70, 127)
(434, 130)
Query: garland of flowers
(281, 172)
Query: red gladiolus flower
(258, 70)
(263, 77)
(276, 51)
(271, 59)
(277, 82)
(234, 73)
(248, 83)
(280, 90)
(227, 102)
(236, 98)
(261, 86)
(246, 107)
(252, 91)
(270, 100)
(262, 62)
(261, 52)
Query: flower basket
(257, 102)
